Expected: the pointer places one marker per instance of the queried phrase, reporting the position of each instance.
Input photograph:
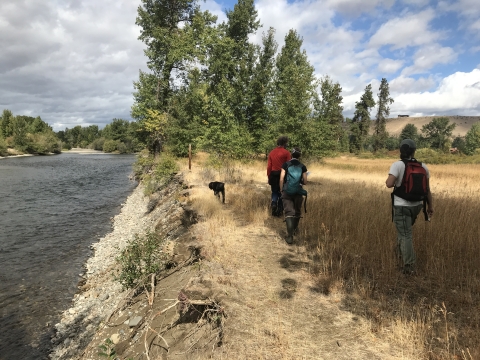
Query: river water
(52, 208)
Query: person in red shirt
(276, 159)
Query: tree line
(32, 135)
(27, 134)
(118, 136)
(208, 85)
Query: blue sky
(73, 61)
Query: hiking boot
(295, 227)
(290, 229)
(409, 270)
(274, 210)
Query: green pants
(404, 218)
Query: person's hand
(430, 211)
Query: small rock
(72, 311)
(134, 321)
(115, 338)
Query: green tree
(472, 139)
(6, 123)
(118, 129)
(39, 126)
(19, 127)
(383, 112)
(327, 132)
(221, 134)
(294, 92)
(360, 125)
(410, 131)
(186, 109)
(242, 22)
(262, 87)
(177, 34)
(438, 133)
(459, 143)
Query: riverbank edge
(99, 293)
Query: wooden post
(189, 156)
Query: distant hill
(464, 123)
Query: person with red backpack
(411, 182)
(276, 159)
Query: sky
(73, 62)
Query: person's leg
(298, 201)
(276, 204)
(289, 210)
(404, 218)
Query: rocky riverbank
(99, 294)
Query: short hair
(296, 152)
(282, 141)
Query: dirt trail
(275, 310)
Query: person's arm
(282, 178)
(390, 182)
(429, 200)
(304, 178)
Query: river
(52, 208)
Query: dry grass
(347, 241)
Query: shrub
(143, 165)
(142, 256)
(163, 172)
(121, 147)
(109, 146)
(97, 144)
(3, 147)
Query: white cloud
(71, 62)
(458, 93)
(402, 85)
(355, 7)
(389, 66)
(416, 3)
(409, 30)
(475, 26)
(429, 56)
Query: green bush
(3, 147)
(121, 147)
(97, 144)
(162, 173)
(143, 165)
(142, 256)
(109, 146)
(431, 156)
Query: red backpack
(414, 182)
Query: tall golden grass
(349, 236)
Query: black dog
(218, 188)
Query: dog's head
(211, 186)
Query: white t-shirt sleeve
(397, 169)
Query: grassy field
(350, 233)
(349, 238)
